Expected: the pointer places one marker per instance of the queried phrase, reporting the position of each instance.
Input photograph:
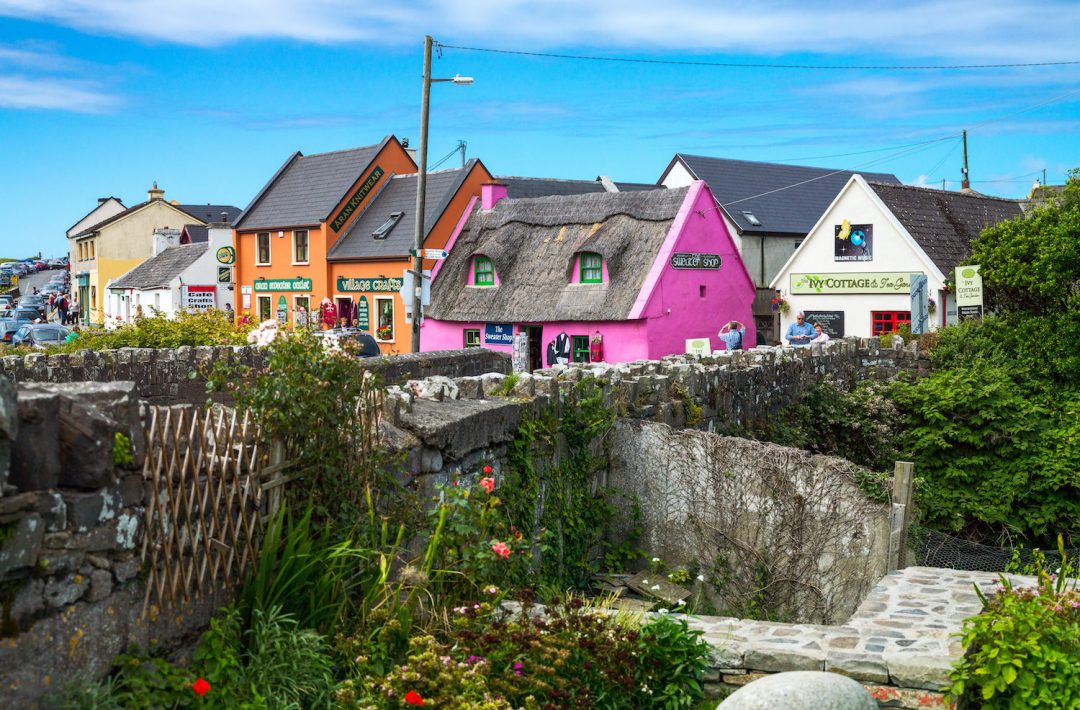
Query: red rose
(487, 470)
(201, 687)
(413, 698)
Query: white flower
(644, 581)
(663, 611)
(656, 559)
(655, 587)
(701, 578)
(681, 602)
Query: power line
(754, 65)
(864, 152)
(941, 162)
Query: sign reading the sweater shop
(267, 285)
(346, 284)
(969, 292)
(688, 260)
(499, 333)
(853, 242)
(880, 282)
(198, 298)
(357, 197)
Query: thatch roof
(532, 244)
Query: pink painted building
(645, 271)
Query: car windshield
(52, 334)
(25, 314)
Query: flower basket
(781, 304)
(931, 306)
(385, 333)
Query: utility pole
(1044, 176)
(461, 146)
(966, 183)
(421, 189)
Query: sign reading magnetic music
(851, 282)
(198, 298)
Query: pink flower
(488, 484)
(500, 549)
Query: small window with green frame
(483, 271)
(592, 269)
(472, 337)
(579, 347)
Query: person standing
(73, 312)
(62, 308)
(800, 332)
(732, 334)
(822, 336)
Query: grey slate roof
(532, 244)
(197, 233)
(792, 211)
(525, 187)
(399, 195)
(158, 271)
(944, 223)
(190, 210)
(307, 187)
(211, 213)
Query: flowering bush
(779, 303)
(1024, 649)
(385, 332)
(160, 331)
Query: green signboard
(282, 310)
(363, 318)
(224, 274)
(226, 255)
(969, 292)
(347, 284)
(267, 285)
(358, 197)
(854, 282)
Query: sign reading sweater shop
(687, 260)
(499, 333)
(879, 282)
(346, 284)
(267, 285)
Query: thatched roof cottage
(645, 271)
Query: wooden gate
(206, 474)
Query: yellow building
(115, 245)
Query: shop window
(384, 307)
(483, 271)
(592, 271)
(701, 291)
(385, 228)
(472, 337)
(300, 246)
(888, 321)
(579, 348)
(262, 249)
(265, 313)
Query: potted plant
(385, 332)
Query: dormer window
(385, 228)
(749, 217)
(592, 268)
(483, 271)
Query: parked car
(25, 315)
(8, 326)
(40, 335)
(40, 265)
(368, 346)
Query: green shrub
(159, 331)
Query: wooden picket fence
(211, 486)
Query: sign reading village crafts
(969, 292)
(688, 260)
(853, 242)
(356, 199)
(499, 333)
(854, 282)
(267, 285)
(347, 284)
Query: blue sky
(102, 97)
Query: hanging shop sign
(346, 284)
(871, 282)
(282, 310)
(832, 322)
(969, 292)
(198, 298)
(853, 242)
(920, 304)
(267, 285)
(224, 274)
(354, 202)
(499, 333)
(693, 260)
(363, 315)
(226, 255)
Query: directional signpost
(430, 253)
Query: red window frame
(882, 322)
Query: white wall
(892, 253)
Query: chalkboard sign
(832, 322)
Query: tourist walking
(61, 309)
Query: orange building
(367, 264)
(282, 238)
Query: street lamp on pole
(421, 188)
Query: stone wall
(168, 376)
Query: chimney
(154, 193)
(491, 193)
(165, 238)
(608, 183)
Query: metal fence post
(903, 482)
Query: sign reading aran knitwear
(357, 197)
(347, 284)
(878, 282)
(267, 285)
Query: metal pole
(966, 184)
(421, 187)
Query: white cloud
(847, 30)
(22, 92)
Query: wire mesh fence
(932, 548)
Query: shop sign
(692, 260)
(346, 284)
(499, 333)
(198, 298)
(224, 274)
(363, 315)
(356, 199)
(698, 346)
(267, 285)
(282, 310)
(870, 282)
(920, 305)
(226, 255)
(832, 322)
(853, 242)
(969, 292)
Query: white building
(852, 272)
(178, 276)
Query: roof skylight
(754, 221)
(389, 224)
